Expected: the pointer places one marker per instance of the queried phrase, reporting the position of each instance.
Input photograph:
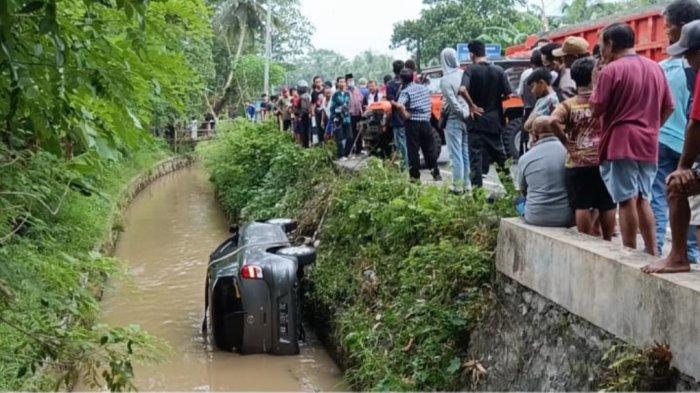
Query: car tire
(287, 224)
(304, 255)
(217, 329)
(511, 137)
(437, 142)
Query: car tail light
(252, 272)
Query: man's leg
(400, 144)
(679, 209)
(621, 178)
(412, 145)
(607, 223)
(453, 137)
(645, 179)
(629, 222)
(465, 157)
(427, 146)
(339, 137)
(475, 158)
(584, 221)
(647, 225)
(668, 161)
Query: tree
(410, 34)
(445, 23)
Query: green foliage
(258, 172)
(248, 81)
(626, 369)
(50, 273)
(330, 64)
(89, 75)
(402, 268)
(445, 23)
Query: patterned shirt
(581, 129)
(545, 105)
(416, 98)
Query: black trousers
(489, 143)
(419, 136)
(356, 134)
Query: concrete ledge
(602, 283)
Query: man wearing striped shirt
(414, 104)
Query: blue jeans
(400, 143)
(458, 146)
(668, 162)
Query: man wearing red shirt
(632, 99)
(685, 181)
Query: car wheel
(512, 136)
(437, 142)
(219, 305)
(287, 224)
(304, 255)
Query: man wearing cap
(632, 99)
(684, 181)
(573, 49)
(681, 78)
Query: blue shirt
(416, 99)
(673, 131)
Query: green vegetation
(402, 268)
(51, 273)
(626, 369)
(82, 85)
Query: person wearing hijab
(457, 112)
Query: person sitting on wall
(541, 178)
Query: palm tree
(236, 20)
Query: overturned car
(252, 293)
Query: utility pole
(268, 47)
(545, 20)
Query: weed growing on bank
(51, 218)
(402, 269)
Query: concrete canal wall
(562, 300)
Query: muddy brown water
(170, 229)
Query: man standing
(415, 106)
(632, 99)
(393, 89)
(573, 48)
(317, 103)
(373, 95)
(340, 117)
(484, 87)
(672, 132)
(684, 181)
(355, 112)
(457, 112)
(284, 104)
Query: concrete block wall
(601, 282)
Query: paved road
(491, 181)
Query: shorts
(627, 179)
(587, 189)
(694, 202)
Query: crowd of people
(614, 129)
(606, 130)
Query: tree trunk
(226, 93)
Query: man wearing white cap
(684, 181)
(573, 48)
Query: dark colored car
(252, 289)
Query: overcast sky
(351, 26)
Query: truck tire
(304, 255)
(511, 138)
(437, 142)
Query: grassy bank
(52, 216)
(402, 269)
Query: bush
(402, 268)
(51, 219)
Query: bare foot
(667, 265)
